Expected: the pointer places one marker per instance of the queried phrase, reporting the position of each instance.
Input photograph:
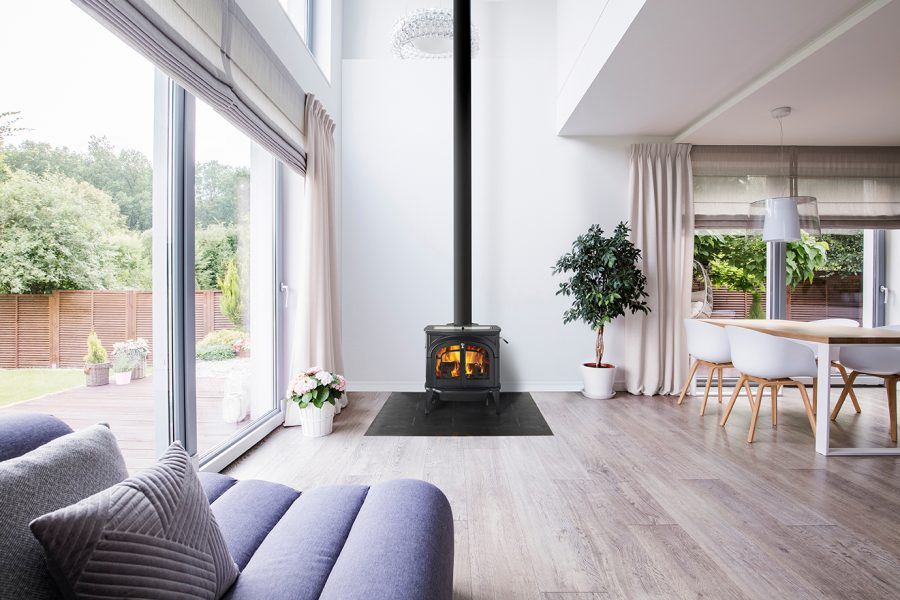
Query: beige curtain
(317, 336)
(662, 226)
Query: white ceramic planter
(598, 382)
(123, 378)
(316, 422)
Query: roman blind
(856, 187)
(212, 49)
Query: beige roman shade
(211, 48)
(856, 187)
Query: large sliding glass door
(235, 252)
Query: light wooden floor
(636, 498)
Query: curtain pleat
(662, 226)
(317, 340)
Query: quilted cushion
(247, 512)
(59, 473)
(151, 536)
(294, 560)
(23, 432)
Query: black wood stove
(462, 358)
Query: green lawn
(23, 384)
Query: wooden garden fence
(825, 298)
(51, 330)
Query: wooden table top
(815, 332)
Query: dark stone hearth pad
(402, 415)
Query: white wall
(533, 194)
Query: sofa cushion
(401, 546)
(62, 471)
(151, 536)
(294, 560)
(23, 432)
(215, 484)
(246, 513)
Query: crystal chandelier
(427, 33)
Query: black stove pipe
(462, 162)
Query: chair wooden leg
(749, 392)
(737, 390)
(687, 383)
(709, 379)
(720, 370)
(753, 419)
(848, 388)
(775, 406)
(891, 384)
(810, 413)
(843, 371)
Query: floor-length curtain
(662, 226)
(317, 336)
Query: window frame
(173, 272)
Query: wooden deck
(129, 411)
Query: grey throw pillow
(151, 536)
(60, 472)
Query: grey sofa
(393, 540)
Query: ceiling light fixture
(427, 33)
(784, 217)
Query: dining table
(828, 338)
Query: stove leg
(429, 394)
(496, 395)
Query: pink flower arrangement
(241, 345)
(316, 386)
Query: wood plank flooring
(637, 497)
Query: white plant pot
(598, 382)
(123, 378)
(315, 422)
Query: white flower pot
(598, 382)
(123, 378)
(315, 422)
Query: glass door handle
(884, 290)
(287, 293)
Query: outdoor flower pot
(139, 371)
(598, 382)
(123, 378)
(96, 374)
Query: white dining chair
(708, 346)
(772, 362)
(835, 362)
(878, 361)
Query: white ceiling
(707, 71)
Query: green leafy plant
(316, 386)
(222, 336)
(208, 352)
(122, 363)
(605, 282)
(232, 300)
(96, 352)
(738, 262)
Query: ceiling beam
(832, 33)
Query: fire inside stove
(449, 363)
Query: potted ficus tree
(605, 282)
(96, 362)
(311, 400)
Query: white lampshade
(781, 219)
